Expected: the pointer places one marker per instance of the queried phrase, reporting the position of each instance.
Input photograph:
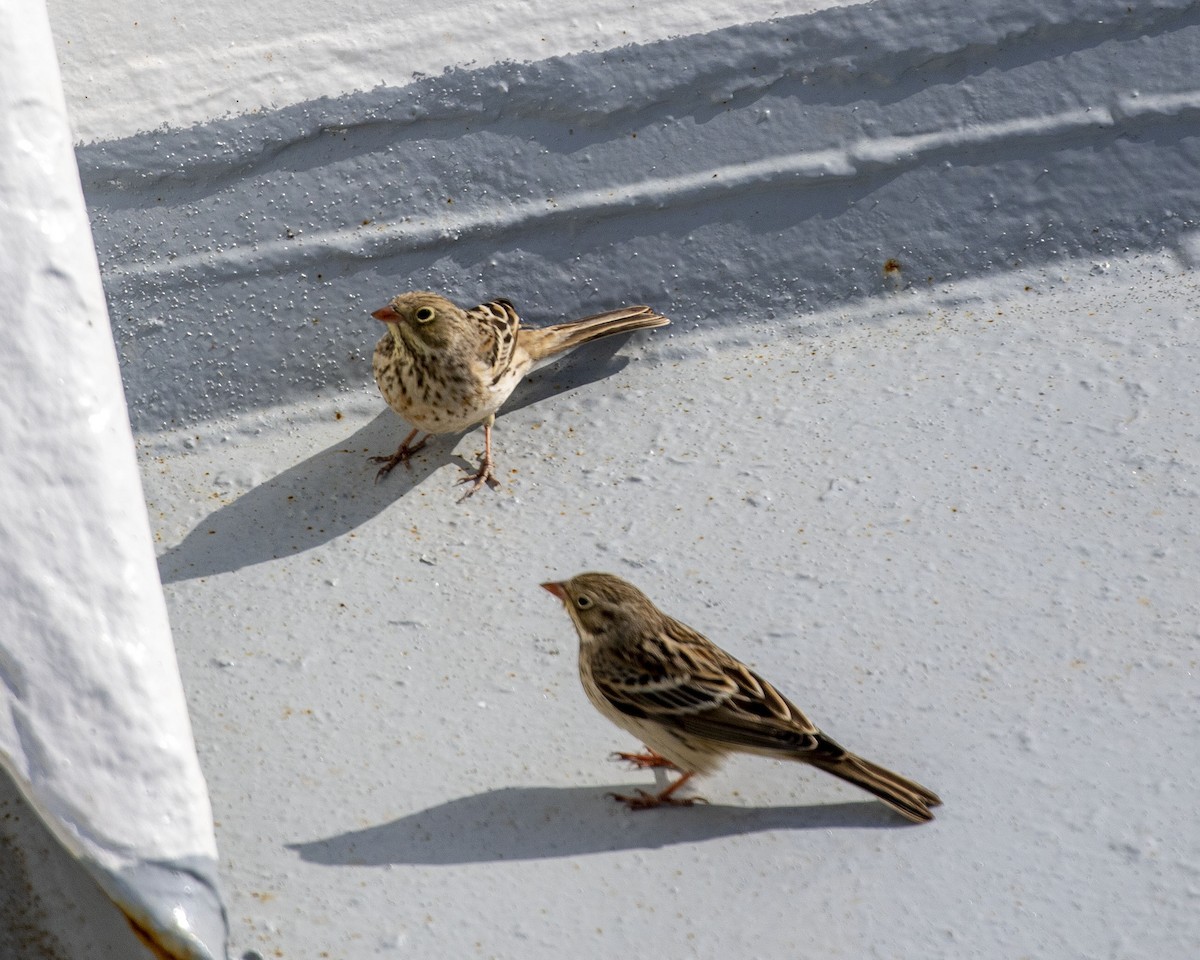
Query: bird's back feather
(544, 342)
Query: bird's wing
(497, 322)
(678, 678)
(654, 679)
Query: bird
(445, 369)
(692, 704)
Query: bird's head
(421, 319)
(604, 607)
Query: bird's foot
(643, 800)
(481, 476)
(403, 455)
(642, 761)
(647, 801)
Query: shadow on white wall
(754, 172)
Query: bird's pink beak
(556, 589)
(386, 314)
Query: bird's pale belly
(433, 399)
(685, 752)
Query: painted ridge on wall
(756, 171)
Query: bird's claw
(648, 801)
(642, 761)
(483, 475)
(389, 464)
(403, 455)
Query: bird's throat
(406, 342)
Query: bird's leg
(400, 456)
(647, 801)
(641, 761)
(484, 474)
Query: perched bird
(691, 703)
(444, 369)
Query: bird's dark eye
(583, 602)
(424, 314)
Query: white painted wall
(762, 171)
(138, 66)
(947, 508)
(94, 730)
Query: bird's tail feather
(549, 341)
(905, 796)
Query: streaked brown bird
(692, 704)
(444, 369)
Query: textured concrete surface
(958, 526)
(920, 446)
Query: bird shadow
(535, 823)
(334, 491)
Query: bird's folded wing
(737, 729)
(755, 717)
(703, 691)
(498, 322)
(652, 679)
